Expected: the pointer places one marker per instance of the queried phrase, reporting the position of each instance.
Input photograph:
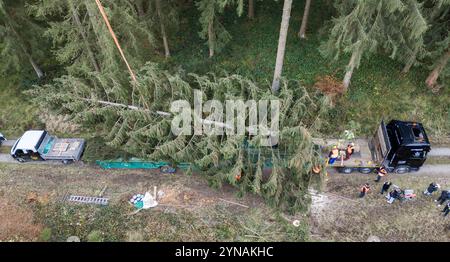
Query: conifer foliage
(92, 84)
(20, 43)
(364, 27)
(235, 159)
(212, 29)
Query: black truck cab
(408, 146)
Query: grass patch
(17, 113)
(89, 223)
(5, 150)
(112, 223)
(438, 160)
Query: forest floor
(32, 196)
(378, 89)
(33, 208)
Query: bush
(95, 236)
(46, 234)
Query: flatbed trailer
(399, 146)
(361, 159)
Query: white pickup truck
(35, 145)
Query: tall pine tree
(364, 27)
(212, 29)
(21, 43)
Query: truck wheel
(21, 160)
(66, 162)
(345, 170)
(365, 170)
(402, 169)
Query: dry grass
(16, 223)
(329, 85)
(189, 211)
(58, 123)
(348, 218)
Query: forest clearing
(114, 75)
(192, 211)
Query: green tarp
(136, 164)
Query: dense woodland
(334, 65)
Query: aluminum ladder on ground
(89, 200)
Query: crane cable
(113, 35)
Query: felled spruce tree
(239, 160)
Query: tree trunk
(434, 75)
(251, 9)
(281, 45)
(22, 45)
(76, 18)
(140, 8)
(36, 68)
(302, 31)
(350, 67)
(163, 28)
(93, 18)
(410, 62)
(211, 38)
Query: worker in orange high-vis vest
(349, 151)
(381, 172)
(333, 155)
(364, 190)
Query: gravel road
(439, 151)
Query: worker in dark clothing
(431, 188)
(381, 172)
(364, 190)
(445, 195)
(385, 187)
(446, 209)
(394, 194)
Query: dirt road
(8, 143)
(7, 158)
(439, 151)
